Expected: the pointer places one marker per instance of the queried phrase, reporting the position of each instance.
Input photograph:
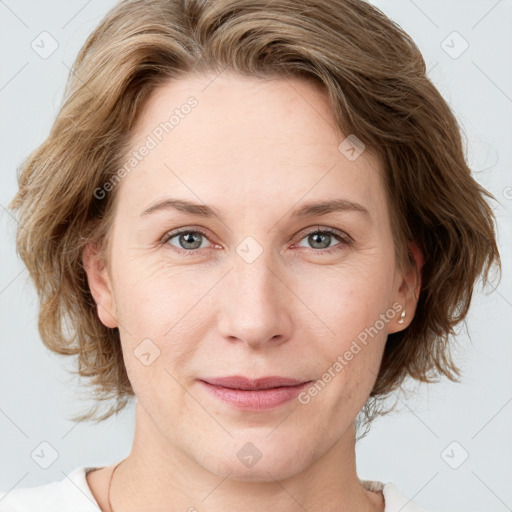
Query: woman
(257, 219)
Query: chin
(259, 461)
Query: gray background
(412, 448)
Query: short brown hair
(375, 79)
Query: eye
(191, 240)
(320, 240)
(188, 240)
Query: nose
(255, 305)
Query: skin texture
(255, 150)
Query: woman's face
(248, 289)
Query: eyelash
(343, 238)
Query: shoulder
(70, 493)
(394, 500)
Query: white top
(73, 493)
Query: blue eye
(320, 236)
(191, 240)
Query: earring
(402, 316)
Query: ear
(100, 285)
(408, 290)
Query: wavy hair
(375, 79)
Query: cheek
(345, 300)
(348, 330)
(151, 295)
(159, 316)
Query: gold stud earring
(402, 316)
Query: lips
(245, 383)
(254, 395)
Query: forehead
(249, 137)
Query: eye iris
(185, 239)
(313, 238)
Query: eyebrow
(304, 211)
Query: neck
(158, 475)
